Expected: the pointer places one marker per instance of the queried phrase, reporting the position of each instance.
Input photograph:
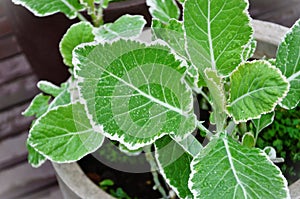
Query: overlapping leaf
(288, 61)
(264, 121)
(217, 32)
(35, 159)
(77, 34)
(164, 10)
(225, 169)
(64, 134)
(134, 92)
(256, 88)
(48, 7)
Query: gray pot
(75, 184)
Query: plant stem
(229, 129)
(203, 128)
(81, 17)
(205, 96)
(153, 165)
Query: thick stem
(154, 168)
(81, 17)
(203, 128)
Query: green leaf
(64, 134)
(173, 159)
(225, 169)
(134, 92)
(43, 8)
(172, 33)
(256, 88)
(77, 34)
(38, 106)
(248, 140)
(191, 145)
(62, 99)
(288, 61)
(164, 10)
(216, 33)
(35, 159)
(264, 121)
(49, 88)
(249, 50)
(127, 26)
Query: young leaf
(35, 159)
(249, 50)
(248, 140)
(256, 88)
(64, 134)
(62, 99)
(225, 169)
(38, 106)
(288, 61)
(77, 34)
(49, 88)
(164, 10)
(173, 159)
(216, 33)
(134, 92)
(127, 26)
(43, 8)
(264, 121)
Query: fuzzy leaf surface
(225, 169)
(43, 8)
(38, 106)
(288, 61)
(127, 26)
(64, 134)
(135, 92)
(35, 159)
(173, 159)
(256, 88)
(216, 33)
(164, 10)
(77, 34)
(49, 88)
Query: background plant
(141, 94)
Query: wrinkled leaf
(135, 92)
(288, 61)
(38, 106)
(256, 88)
(164, 10)
(225, 169)
(35, 159)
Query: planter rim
(72, 175)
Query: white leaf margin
(274, 105)
(100, 128)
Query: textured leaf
(256, 88)
(248, 140)
(216, 33)
(172, 33)
(191, 145)
(43, 8)
(77, 34)
(35, 159)
(38, 106)
(288, 61)
(225, 169)
(164, 10)
(64, 134)
(127, 26)
(62, 99)
(249, 50)
(173, 159)
(134, 92)
(49, 88)
(264, 121)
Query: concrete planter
(74, 183)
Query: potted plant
(141, 96)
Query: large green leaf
(225, 169)
(256, 88)
(164, 10)
(43, 8)
(38, 106)
(135, 92)
(77, 34)
(264, 121)
(127, 26)
(173, 159)
(288, 61)
(217, 32)
(64, 134)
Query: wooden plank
(12, 122)
(5, 26)
(23, 179)
(13, 150)
(9, 46)
(13, 68)
(52, 192)
(18, 91)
